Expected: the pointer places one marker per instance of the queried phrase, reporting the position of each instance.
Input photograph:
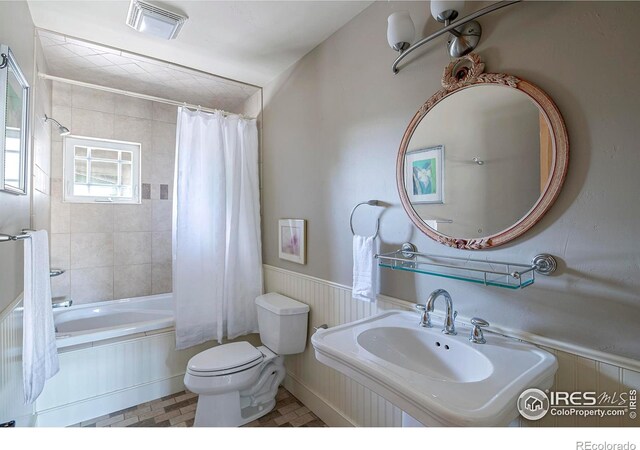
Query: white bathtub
(95, 322)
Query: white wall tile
(133, 217)
(60, 212)
(131, 281)
(61, 94)
(162, 166)
(133, 107)
(164, 112)
(60, 251)
(132, 248)
(93, 124)
(91, 284)
(162, 214)
(91, 218)
(56, 160)
(92, 99)
(146, 164)
(161, 247)
(91, 250)
(61, 285)
(161, 278)
(42, 151)
(134, 129)
(41, 181)
(164, 138)
(41, 211)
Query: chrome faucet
(61, 302)
(449, 320)
(425, 319)
(477, 337)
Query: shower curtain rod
(152, 98)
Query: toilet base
(238, 407)
(233, 416)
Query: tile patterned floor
(179, 410)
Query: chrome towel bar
(17, 237)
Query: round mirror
(483, 159)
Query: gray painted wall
(333, 124)
(16, 31)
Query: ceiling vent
(150, 19)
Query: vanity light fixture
(465, 32)
(62, 130)
(150, 19)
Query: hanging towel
(364, 268)
(39, 352)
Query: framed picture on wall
(424, 175)
(292, 234)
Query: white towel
(39, 352)
(364, 268)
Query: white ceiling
(79, 60)
(249, 41)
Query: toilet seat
(225, 360)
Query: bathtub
(113, 355)
(95, 322)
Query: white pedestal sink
(437, 379)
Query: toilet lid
(224, 357)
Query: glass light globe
(400, 30)
(441, 9)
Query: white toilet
(237, 382)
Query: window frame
(68, 176)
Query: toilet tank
(283, 323)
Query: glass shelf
(489, 273)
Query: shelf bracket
(545, 264)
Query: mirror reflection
(13, 121)
(478, 161)
(13, 131)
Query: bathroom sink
(438, 379)
(420, 352)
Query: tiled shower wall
(41, 163)
(113, 251)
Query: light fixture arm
(453, 31)
(450, 28)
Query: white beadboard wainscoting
(12, 405)
(339, 401)
(107, 376)
(101, 379)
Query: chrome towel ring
(370, 203)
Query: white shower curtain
(217, 256)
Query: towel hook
(370, 203)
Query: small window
(98, 170)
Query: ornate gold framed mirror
(483, 159)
